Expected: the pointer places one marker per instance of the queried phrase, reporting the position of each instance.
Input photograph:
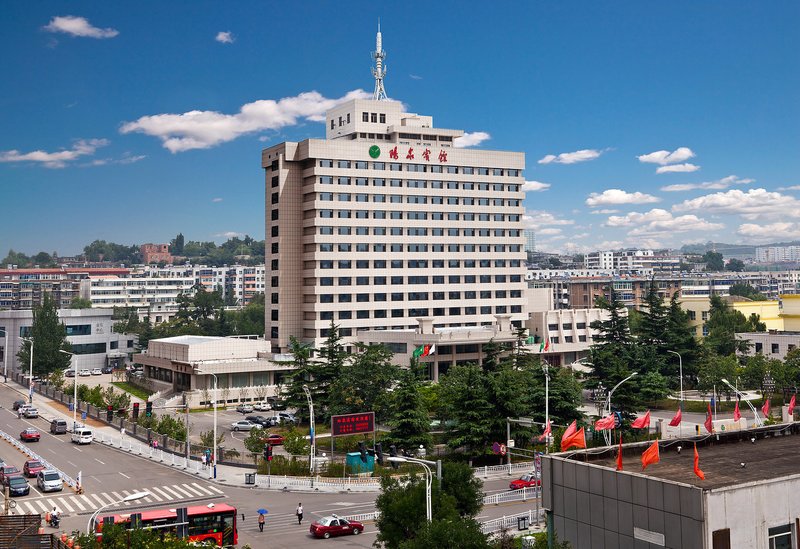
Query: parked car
(287, 417)
(274, 439)
(244, 425)
(85, 372)
(58, 426)
(97, 372)
(69, 373)
(30, 435)
(17, 485)
(107, 369)
(32, 468)
(244, 408)
(327, 527)
(8, 471)
(261, 420)
(526, 481)
(82, 435)
(262, 406)
(49, 480)
(30, 412)
(18, 403)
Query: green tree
(460, 533)
(365, 382)
(465, 400)
(43, 259)
(652, 326)
(459, 481)
(80, 303)
(713, 261)
(250, 319)
(49, 336)
(722, 325)
(254, 442)
(16, 258)
(176, 245)
(679, 337)
(746, 290)
(292, 393)
(410, 422)
(735, 265)
(296, 443)
(118, 537)
(207, 438)
(714, 368)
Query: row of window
(373, 117)
(425, 296)
(418, 199)
(421, 248)
(418, 264)
(398, 166)
(416, 231)
(396, 280)
(567, 326)
(434, 216)
(415, 312)
(418, 184)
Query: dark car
(17, 485)
(261, 420)
(30, 435)
(107, 369)
(18, 403)
(334, 526)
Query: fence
(513, 495)
(511, 521)
(33, 455)
(323, 484)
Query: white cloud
(792, 188)
(660, 222)
(723, 183)
(678, 168)
(548, 232)
(78, 26)
(571, 157)
(216, 199)
(751, 204)
(681, 154)
(230, 234)
(535, 186)
(618, 196)
(768, 233)
(539, 218)
(205, 129)
(126, 158)
(471, 139)
(604, 211)
(415, 77)
(225, 37)
(82, 147)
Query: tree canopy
(49, 336)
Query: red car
(32, 468)
(526, 481)
(8, 471)
(30, 435)
(274, 439)
(335, 526)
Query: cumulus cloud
(678, 168)
(550, 231)
(205, 129)
(662, 158)
(415, 77)
(230, 234)
(539, 218)
(535, 186)
(723, 183)
(225, 37)
(82, 147)
(751, 204)
(767, 233)
(470, 139)
(216, 199)
(571, 157)
(618, 196)
(660, 222)
(78, 26)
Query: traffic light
(268, 452)
(148, 410)
(110, 413)
(135, 410)
(363, 451)
(379, 453)
(393, 453)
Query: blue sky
(644, 124)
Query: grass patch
(138, 392)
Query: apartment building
(641, 262)
(778, 254)
(581, 292)
(243, 283)
(24, 288)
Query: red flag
(697, 470)
(676, 420)
(619, 455)
(547, 431)
(604, 423)
(650, 456)
(736, 415)
(577, 439)
(571, 430)
(709, 422)
(791, 405)
(642, 422)
(765, 408)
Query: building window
(365, 117)
(692, 315)
(775, 349)
(780, 537)
(383, 118)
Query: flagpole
(680, 403)
(546, 368)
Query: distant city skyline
(641, 128)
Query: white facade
(777, 254)
(153, 296)
(643, 262)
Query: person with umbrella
(262, 519)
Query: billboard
(351, 424)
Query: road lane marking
(191, 489)
(204, 489)
(63, 502)
(77, 503)
(166, 495)
(109, 498)
(68, 461)
(100, 462)
(123, 474)
(184, 493)
(100, 501)
(215, 489)
(97, 479)
(153, 495)
(116, 495)
(125, 494)
(78, 449)
(33, 510)
(41, 504)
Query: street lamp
(428, 481)
(30, 379)
(199, 372)
(75, 388)
(758, 420)
(311, 429)
(546, 370)
(680, 373)
(607, 432)
(5, 356)
(133, 497)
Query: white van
(82, 435)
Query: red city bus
(212, 522)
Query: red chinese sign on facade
(393, 153)
(442, 156)
(410, 155)
(352, 424)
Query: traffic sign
(496, 447)
(502, 449)
(510, 443)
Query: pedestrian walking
(203, 459)
(261, 521)
(299, 513)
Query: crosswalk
(70, 503)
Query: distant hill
(740, 251)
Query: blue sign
(83, 416)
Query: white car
(82, 435)
(262, 406)
(97, 372)
(85, 373)
(244, 425)
(49, 480)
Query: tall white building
(385, 222)
(777, 254)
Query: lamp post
(311, 429)
(758, 420)
(5, 355)
(74, 388)
(126, 499)
(428, 481)
(30, 378)
(546, 370)
(607, 432)
(214, 455)
(680, 373)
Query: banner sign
(351, 424)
